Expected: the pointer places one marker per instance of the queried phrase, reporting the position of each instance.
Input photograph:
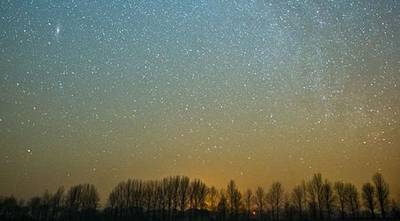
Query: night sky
(255, 91)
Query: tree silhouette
(382, 193)
(314, 188)
(222, 207)
(179, 198)
(45, 205)
(260, 199)
(248, 201)
(183, 192)
(82, 201)
(312, 199)
(197, 194)
(175, 181)
(34, 208)
(368, 194)
(352, 199)
(56, 203)
(275, 199)
(299, 198)
(288, 208)
(328, 198)
(234, 198)
(212, 198)
(340, 190)
(169, 194)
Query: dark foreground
(182, 199)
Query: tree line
(180, 198)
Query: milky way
(256, 91)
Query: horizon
(287, 189)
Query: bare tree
(183, 192)
(275, 199)
(169, 198)
(260, 199)
(90, 197)
(352, 199)
(45, 205)
(341, 196)
(328, 198)
(123, 197)
(312, 199)
(368, 193)
(149, 193)
(299, 198)
(234, 198)
(212, 198)
(175, 181)
(382, 193)
(248, 201)
(161, 202)
(82, 201)
(314, 189)
(56, 203)
(288, 208)
(169, 193)
(197, 194)
(73, 200)
(222, 206)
